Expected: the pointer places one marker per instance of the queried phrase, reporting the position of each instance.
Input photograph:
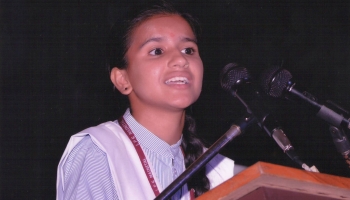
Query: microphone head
(233, 75)
(275, 80)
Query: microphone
(277, 82)
(233, 78)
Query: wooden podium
(268, 181)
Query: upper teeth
(182, 80)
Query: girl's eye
(156, 52)
(188, 51)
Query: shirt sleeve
(219, 169)
(87, 174)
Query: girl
(137, 156)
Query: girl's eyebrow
(159, 39)
(186, 39)
(153, 39)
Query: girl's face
(164, 66)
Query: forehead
(173, 25)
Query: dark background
(54, 82)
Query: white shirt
(87, 174)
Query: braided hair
(193, 148)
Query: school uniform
(101, 162)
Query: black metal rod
(214, 149)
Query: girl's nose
(178, 59)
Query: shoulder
(98, 142)
(91, 143)
(84, 141)
(84, 149)
(84, 165)
(105, 133)
(82, 154)
(87, 169)
(105, 127)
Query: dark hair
(120, 34)
(193, 148)
(119, 44)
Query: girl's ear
(120, 80)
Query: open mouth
(177, 80)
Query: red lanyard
(142, 157)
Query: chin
(183, 104)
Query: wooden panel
(282, 178)
(272, 193)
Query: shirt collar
(150, 141)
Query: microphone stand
(198, 164)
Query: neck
(167, 125)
